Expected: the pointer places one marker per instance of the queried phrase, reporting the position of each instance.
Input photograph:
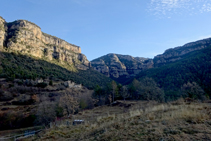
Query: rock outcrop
(125, 66)
(117, 66)
(177, 53)
(2, 32)
(27, 38)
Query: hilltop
(121, 67)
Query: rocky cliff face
(117, 66)
(174, 54)
(125, 66)
(27, 38)
(2, 32)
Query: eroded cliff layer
(3, 34)
(116, 65)
(27, 38)
(125, 66)
(177, 53)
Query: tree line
(146, 89)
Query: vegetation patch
(23, 67)
(132, 129)
(194, 67)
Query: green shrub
(51, 83)
(42, 85)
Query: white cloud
(206, 8)
(181, 7)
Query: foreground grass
(141, 121)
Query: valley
(47, 83)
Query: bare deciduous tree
(45, 113)
(69, 104)
(86, 101)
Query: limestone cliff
(25, 37)
(117, 66)
(177, 53)
(3, 34)
(125, 66)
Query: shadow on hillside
(25, 67)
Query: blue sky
(143, 28)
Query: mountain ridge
(174, 54)
(119, 66)
(118, 70)
(25, 37)
(193, 67)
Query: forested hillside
(24, 67)
(194, 67)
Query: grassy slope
(142, 121)
(195, 66)
(19, 66)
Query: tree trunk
(113, 97)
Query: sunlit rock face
(27, 38)
(116, 65)
(3, 34)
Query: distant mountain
(178, 53)
(194, 66)
(124, 67)
(121, 67)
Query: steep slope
(25, 37)
(3, 34)
(13, 66)
(120, 67)
(193, 67)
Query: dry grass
(142, 121)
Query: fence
(66, 123)
(21, 136)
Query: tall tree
(133, 89)
(149, 90)
(114, 89)
(98, 92)
(193, 90)
(124, 92)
